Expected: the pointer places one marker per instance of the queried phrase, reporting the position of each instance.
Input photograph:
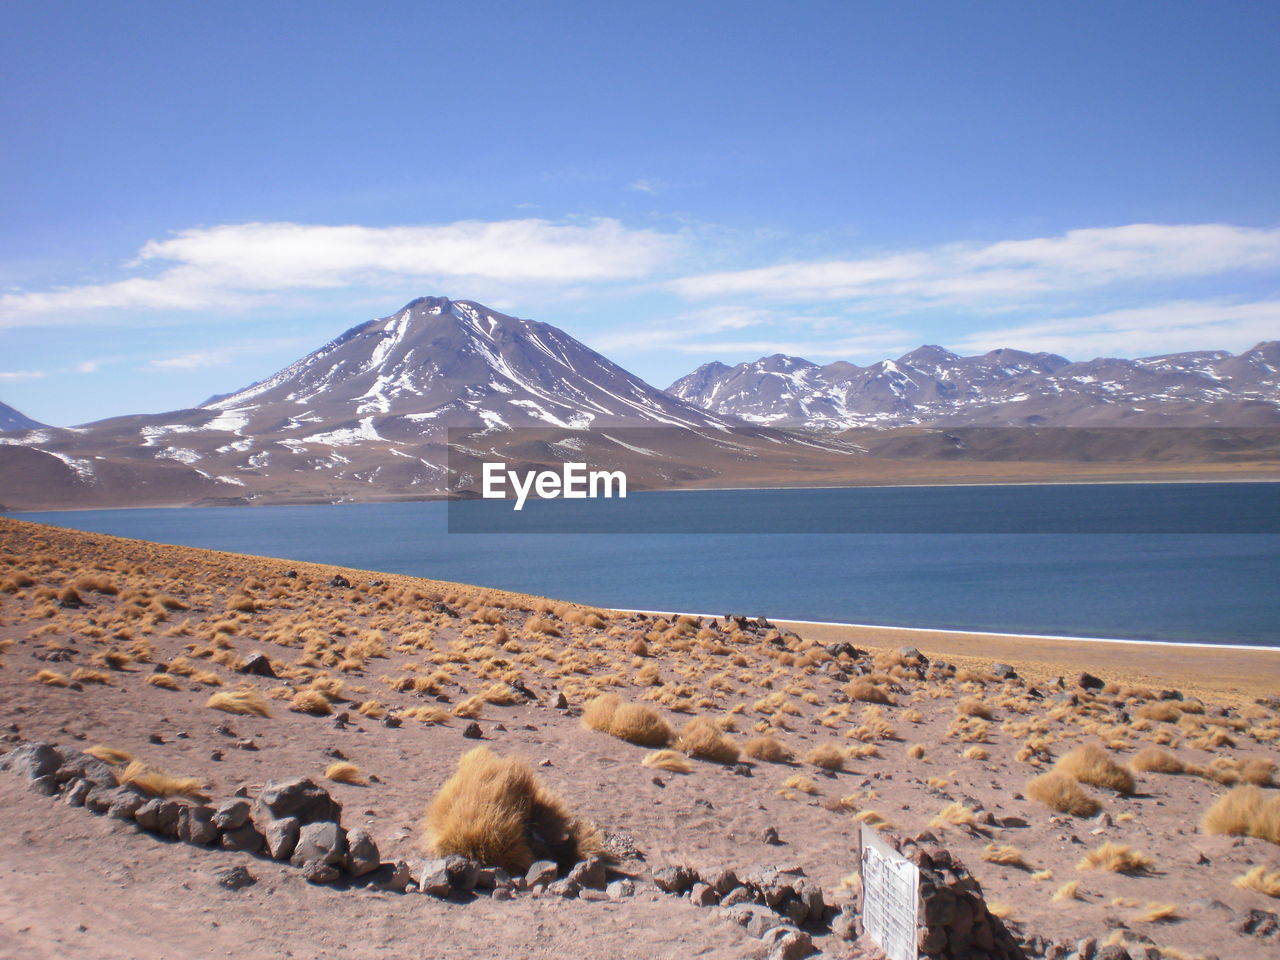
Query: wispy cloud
(232, 264)
(227, 353)
(16, 376)
(995, 272)
(1140, 331)
(649, 185)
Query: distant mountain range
(366, 416)
(933, 386)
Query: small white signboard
(890, 897)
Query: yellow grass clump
(426, 714)
(1092, 764)
(1060, 792)
(827, 756)
(1245, 811)
(340, 771)
(1116, 858)
(798, 781)
(916, 751)
(1157, 760)
(701, 739)
(1157, 913)
(975, 752)
(496, 811)
(157, 783)
(767, 749)
(868, 692)
(311, 701)
(954, 815)
(51, 678)
(1259, 879)
(1004, 854)
(668, 760)
(634, 722)
(112, 755)
(1068, 891)
(165, 681)
(246, 702)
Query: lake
(1145, 561)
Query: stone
(281, 836)
(543, 871)
(234, 878)
(159, 816)
(909, 653)
(845, 925)
(589, 873)
(362, 853)
(503, 893)
(678, 879)
(314, 871)
(565, 888)
(492, 878)
(258, 665)
(792, 946)
(299, 797)
(1087, 948)
(432, 877)
(1004, 671)
(393, 876)
(463, 873)
(32, 760)
(770, 836)
(472, 731)
(338, 580)
(244, 838)
(721, 880)
(1114, 951)
(77, 764)
(195, 825)
(124, 804)
(736, 896)
(1088, 681)
(703, 896)
(560, 701)
(325, 842)
(231, 814)
(75, 792)
(620, 889)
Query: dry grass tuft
(634, 722)
(1245, 811)
(1259, 879)
(766, 749)
(1005, 854)
(111, 755)
(828, 756)
(798, 781)
(868, 692)
(165, 681)
(668, 760)
(975, 752)
(1060, 792)
(496, 811)
(247, 702)
(954, 815)
(1116, 858)
(51, 678)
(341, 771)
(973, 707)
(157, 783)
(1092, 764)
(1157, 760)
(311, 701)
(1157, 913)
(1068, 891)
(702, 739)
(916, 751)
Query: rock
(845, 925)
(432, 877)
(589, 873)
(810, 894)
(338, 580)
(314, 871)
(492, 878)
(1114, 951)
(234, 878)
(231, 814)
(124, 804)
(77, 764)
(1004, 671)
(325, 842)
(543, 871)
(281, 837)
(560, 701)
(565, 888)
(244, 838)
(678, 880)
(721, 880)
(1088, 681)
(736, 896)
(770, 836)
(393, 876)
(258, 665)
(792, 946)
(472, 731)
(391, 721)
(32, 760)
(502, 893)
(362, 853)
(703, 896)
(909, 653)
(299, 797)
(1087, 948)
(159, 816)
(620, 889)
(75, 793)
(463, 873)
(195, 825)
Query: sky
(197, 195)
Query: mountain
(933, 386)
(370, 408)
(11, 419)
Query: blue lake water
(1213, 587)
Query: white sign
(890, 897)
(573, 482)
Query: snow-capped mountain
(1005, 387)
(11, 419)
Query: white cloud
(221, 355)
(987, 274)
(88, 366)
(649, 185)
(15, 376)
(225, 265)
(1140, 331)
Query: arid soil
(947, 751)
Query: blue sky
(195, 195)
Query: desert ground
(1135, 805)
